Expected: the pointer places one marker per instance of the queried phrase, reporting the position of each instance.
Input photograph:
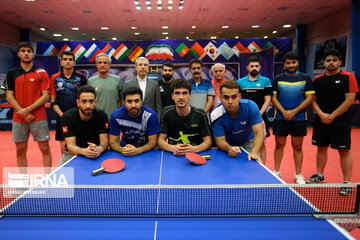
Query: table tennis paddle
(111, 165)
(197, 159)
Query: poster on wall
(339, 43)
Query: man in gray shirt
(108, 87)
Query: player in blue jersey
(237, 123)
(293, 93)
(138, 124)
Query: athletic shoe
(299, 178)
(346, 191)
(315, 179)
(277, 173)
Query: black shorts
(266, 121)
(336, 134)
(59, 133)
(294, 128)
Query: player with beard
(85, 128)
(293, 93)
(184, 128)
(335, 92)
(138, 124)
(258, 89)
(167, 72)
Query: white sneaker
(299, 178)
(277, 173)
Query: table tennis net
(197, 201)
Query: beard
(167, 77)
(254, 73)
(291, 71)
(88, 114)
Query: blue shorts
(294, 128)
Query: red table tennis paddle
(111, 165)
(197, 159)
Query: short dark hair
(132, 91)
(86, 89)
(69, 53)
(291, 55)
(195, 61)
(334, 53)
(25, 45)
(253, 59)
(168, 64)
(180, 83)
(230, 85)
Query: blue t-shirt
(135, 131)
(236, 131)
(291, 91)
(200, 92)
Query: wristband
(53, 104)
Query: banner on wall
(159, 51)
(339, 43)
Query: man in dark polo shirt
(167, 72)
(85, 128)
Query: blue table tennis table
(162, 168)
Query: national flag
(92, 52)
(184, 51)
(63, 49)
(268, 45)
(50, 51)
(226, 51)
(135, 52)
(198, 51)
(253, 47)
(241, 48)
(121, 52)
(212, 51)
(79, 52)
(156, 52)
(108, 50)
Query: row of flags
(159, 51)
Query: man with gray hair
(218, 71)
(108, 86)
(150, 88)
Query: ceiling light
(93, 39)
(42, 29)
(255, 26)
(29, 0)
(57, 35)
(137, 33)
(181, 1)
(213, 37)
(167, 37)
(136, 2)
(159, 7)
(225, 26)
(287, 26)
(159, 2)
(169, 7)
(133, 28)
(114, 38)
(66, 39)
(138, 7)
(273, 32)
(187, 37)
(104, 28)
(236, 37)
(170, 2)
(267, 18)
(148, 7)
(75, 28)
(164, 33)
(193, 26)
(165, 27)
(181, 7)
(147, 2)
(265, 36)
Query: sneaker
(299, 178)
(345, 191)
(277, 173)
(315, 179)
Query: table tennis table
(162, 168)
